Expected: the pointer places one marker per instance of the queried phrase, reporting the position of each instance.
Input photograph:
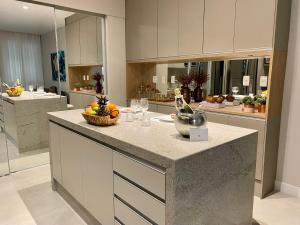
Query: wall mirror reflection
(238, 77)
(27, 63)
(82, 56)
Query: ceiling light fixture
(25, 7)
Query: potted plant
(199, 79)
(98, 77)
(249, 104)
(77, 86)
(185, 80)
(261, 102)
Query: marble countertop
(232, 110)
(26, 96)
(160, 143)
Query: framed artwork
(62, 66)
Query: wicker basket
(17, 94)
(100, 120)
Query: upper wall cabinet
(190, 27)
(88, 40)
(141, 29)
(167, 28)
(83, 35)
(73, 42)
(219, 26)
(254, 27)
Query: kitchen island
(25, 118)
(128, 174)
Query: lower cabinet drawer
(143, 202)
(146, 176)
(128, 216)
(117, 223)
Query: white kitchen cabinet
(73, 43)
(55, 158)
(86, 171)
(167, 28)
(140, 173)
(141, 29)
(219, 26)
(190, 26)
(84, 40)
(140, 200)
(88, 41)
(255, 22)
(72, 148)
(127, 215)
(98, 181)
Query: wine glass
(144, 103)
(235, 90)
(30, 87)
(135, 106)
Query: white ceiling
(36, 19)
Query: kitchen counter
(232, 110)
(209, 182)
(25, 118)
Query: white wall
(48, 47)
(288, 173)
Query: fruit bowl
(101, 113)
(14, 91)
(100, 120)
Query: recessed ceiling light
(25, 7)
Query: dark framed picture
(62, 66)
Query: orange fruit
(111, 107)
(114, 113)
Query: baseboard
(287, 189)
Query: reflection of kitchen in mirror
(27, 65)
(80, 37)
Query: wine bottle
(181, 104)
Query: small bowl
(185, 121)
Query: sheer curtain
(21, 58)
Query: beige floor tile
(277, 209)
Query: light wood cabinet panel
(254, 27)
(88, 41)
(54, 143)
(98, 181)
(255, 124)
(73, 43)
(219, 26)
(141, 29)
(190, 26)
(72, 163)
(167, 28)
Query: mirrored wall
(49, 59)
(238, 76)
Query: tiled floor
(27, 199)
